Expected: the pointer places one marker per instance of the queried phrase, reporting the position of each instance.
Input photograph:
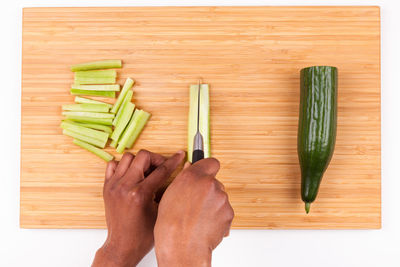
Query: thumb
(157, 178)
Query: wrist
(169, 256)
(111, 255)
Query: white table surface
(338, 248)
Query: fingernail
(181, 152)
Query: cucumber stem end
(307, 207)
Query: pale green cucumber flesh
(83, 100)
(93, 93)
(95, 65)
(86, 107)
(97, 87)
(128, 85)
(96, 73)
(92, 133)
(97, 151)
(127, 99)
(204, 121)
(96, 115)
(85, 138)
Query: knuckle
(143, 153)
(136, 196)
(230, 213)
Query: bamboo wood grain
(251, 57)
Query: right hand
(194, 216)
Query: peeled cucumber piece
(83, 100)
(127, 86)
(90, 140)
(92, 133)
(86, 107)
(133, 130)
(95, 65)
(127, 112)
(96, 73)
(204, 119)
(96, 87)
(97, 151)
(110, 94)
(127, 99)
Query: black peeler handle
(197, 155)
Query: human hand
(194, 215)
(131, 211)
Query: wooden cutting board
(251, 57)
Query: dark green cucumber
(317, 127)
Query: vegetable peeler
(198, 144)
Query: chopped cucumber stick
(85, 138)
(82, 100)
(127, 112)
(102, 136)
(141, 122)
(97, 87)
(94, 80)
(95, 126)
(93, 93)
(95, 65)
(128, 85)
(204, 119)
(83, 119)
(132, 132)
(96, 115)
(128, 99)
(96, 73)
(97, 151)
(114, 143)
(86, 107)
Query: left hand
(131, 212)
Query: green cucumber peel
(96, 115)
(86, 107)
(92, 133)
(127, 99)
(127, 86)
(97, 151)
(96, 73)
(204, 119)
(83, 100)
(127, 112)
(97, 87)
(84, 138)
(95, 65)
(110, 94)
(83, 119)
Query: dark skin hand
(194, 215)
(131, 211)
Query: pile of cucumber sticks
(91, 122)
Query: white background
(339, 248)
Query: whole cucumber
(317, 127)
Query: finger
(209, 166)
(140, 165)
(145, 159)
(123, 165)
(110, 169)
(187, 165)
(157, 178)
(220, 185)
